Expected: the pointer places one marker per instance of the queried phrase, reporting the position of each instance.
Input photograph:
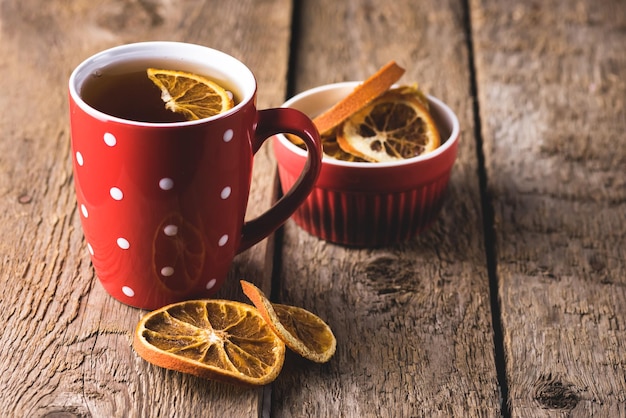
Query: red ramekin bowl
(362, 204)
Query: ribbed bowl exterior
(368, 219)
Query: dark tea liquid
(126, 92)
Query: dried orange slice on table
(395, 126)
(215, 339)
(302, 331)
(231, 341)
(192, 95)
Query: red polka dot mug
(162, 204)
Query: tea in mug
(125, 91)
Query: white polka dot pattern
(166, 184)
(128, 291)
(110, 139)
(223, 240)
(170, 230)
(116, 193)
(167, 271)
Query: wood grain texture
(412, 321)
(66, 345)
(552, 92)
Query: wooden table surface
(512, 304)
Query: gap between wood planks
(489, 233)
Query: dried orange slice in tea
(302, 331)
(395, 126)
(193, 96)
(216, 339)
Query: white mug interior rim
(447, 113)
(220, 65)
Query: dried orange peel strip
(362, 95)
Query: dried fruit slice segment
(302, 331)
(192, 95)
(215, 339)
(332, 149)
(395, 126)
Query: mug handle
(271, 122)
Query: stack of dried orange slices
(231, 341)
(377, 123)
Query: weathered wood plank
(413, 320)
(70, 340)
(551, 81)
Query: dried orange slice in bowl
(332, 149)
(301, 330)
(395, 126)
(215, 339)
(366, 204)
(192, 95)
